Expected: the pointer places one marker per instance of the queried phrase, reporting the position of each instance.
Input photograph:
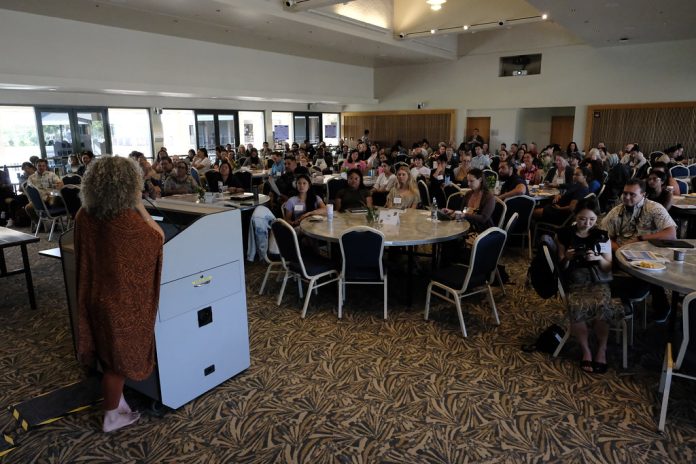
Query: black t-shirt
(569, 239)
(214, 177)
(351, 198)
(511, 183)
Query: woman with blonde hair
(117, 285)
(404, 194)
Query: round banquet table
(677, 276)
(415, 228)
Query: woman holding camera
(584, 252)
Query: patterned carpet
(361, 389)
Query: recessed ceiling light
(466, 27)
(544, 16)
(433, 31)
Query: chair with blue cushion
(683, 186)
(303, 266)
(684, 365)
(499, 213)
(455, 282)
(196, 176)
(362, 249)
(679, 171)
(53, 214)
(692, 170)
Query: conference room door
(482, 124)
(562, 130)
(307, 126)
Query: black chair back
(212, 178)
(286, 239)
(334, 186)
(450, 190)
(72, 179)
(424, 194)
(484, 257)
(362, 249)
(524, 206)
(245, 179)
(71, 198)
(35, 198)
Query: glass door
(64, 131)
(216, 128)
(205, 127)
(307, 127)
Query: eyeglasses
(630, 194)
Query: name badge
(299, 208)
(440, 177)
(449, 166)
(397, 200)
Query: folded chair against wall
(684, 365)
(316, 270)
(453, 283)
(362, 249)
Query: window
(282, 127)
(252, 127)
(178, 130)
(130, 131)
(18, 135)
(331, 130)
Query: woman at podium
(117, 284)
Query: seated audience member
(638, 163)
(181, 181)
(253, 161)
(572, 150)
(404, 194)
(479, 202)
(166, 169)
(480, 160)
(618, 175)
(277, 164)
(560, 174)
(285, 183)
(224, 178)
(418, 169)
(73, 164)
(638, 219)
(201, 162)
(438, 180)
(529, 171)
(669, 180)
(512, 184)
(355, 195)
(386, 178)
(354, 162)
(45, 181)
(462, 170)
(656, 189)
(594, 183)
(152, 186)
(583, 249)
(86, 157)
(564, 205)
(305, 203)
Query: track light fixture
(476, 27)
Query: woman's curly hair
(110, 185)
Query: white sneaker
(10, 223)
(114, 420)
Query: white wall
(572, 75)
(79, 57)
(534, 124)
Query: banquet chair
(551, 255)
(70, 193)
(72, 179)
(196, 176)
(489, 173)
(362, 249)
(308, 267)
(508, 226)
(245, 178)
(541, 226)
(53, 214)
(684, 366)
(499, 213)
(683, 186)
(692, 170)
(453, 283)
(273, 260)
(424, 194)
(450, 189)
(679, 171)
(523, 205)
(333, 186)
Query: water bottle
(221, 187)
(433, 210)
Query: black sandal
(599, 368)
(585, 364)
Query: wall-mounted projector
(519, 72)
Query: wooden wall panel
(409, 127)
(653, 126)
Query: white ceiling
(365, 32)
